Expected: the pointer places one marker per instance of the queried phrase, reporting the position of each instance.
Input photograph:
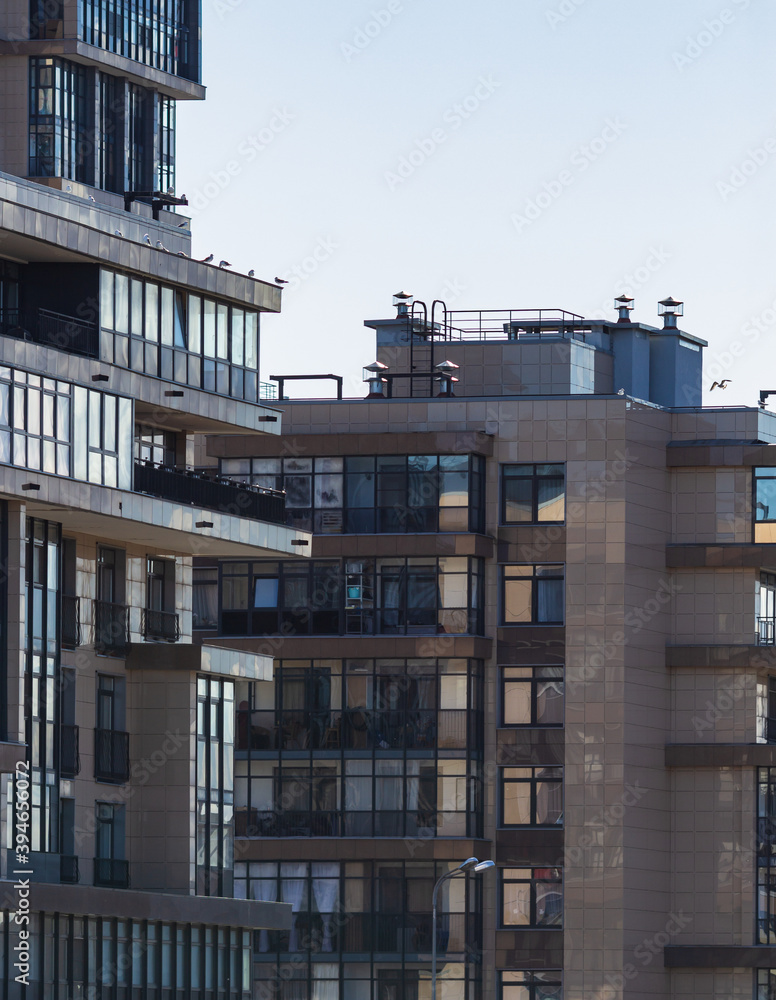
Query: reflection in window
(533, 494)
(532, 696)
(35, 422)
(377, 494)
(532, 594)
(531, 897)
(532, 796)
(58, 119)
(531, 985)
(215, 786)
(764, 504)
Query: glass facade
(188, 339)
(422, 596)
(153, 32)
(58, 119)
(73, 956)
(215, 786)
(373, 494)
(361, 748)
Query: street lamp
(471, 864)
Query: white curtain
(325, 984)
(292, 884)
(264, 887)
(326, 893)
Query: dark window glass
(533, 494)
(531, 897)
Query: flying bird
(224, 263)
(208, 259)
(147, 239)
(722, 385)
(280, 281)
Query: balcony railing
(71, 621)
(52, 329)
(210, 492)
(111, 872)
(68, 868)
(111, 628)
(111, 755)
(766, 631)
(358, 729)
(69, 756)
(160, 625)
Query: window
(110, 866)
(35, 431)
(386, 596)
(531, 985)
(766, 616)
(531, 897)
(215, 787)
(373, 494)
(111, 616)
(766, 984)
(532, 594)
(58, 119)
(766, 855)
(159, 618)
(533, 494)
(532, 696)
(532, 796)
(205, 597)
(103, 446)
(111, 742)
(764, 504)
(155, 446)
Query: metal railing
(71, 621)
(211, 492)
(766, 631)
(111, 755)
(68, 868)
(111, 628)
(69, 755)
(112, 873)
(500, 324)
(52, 329)
(161, 625)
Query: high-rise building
(537, 627)
(118, 353)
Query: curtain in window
(550, 600)
(265, 888)
(205, 603)
(292, 882)
(326, 893)
(325, 984)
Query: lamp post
(471, 864)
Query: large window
(187, 339)
(531, 897)
(532, 594)
(532, 696)
(531, 796)
(533, 494)
(58, 119)
(110, 866)
(156, 34)
(35, 422)
(365, 907)
(766, 855)
(531, 985)
(373, 494)
(421, 596)
(764, 504)
(215, 786)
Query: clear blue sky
(497, 155)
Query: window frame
(534, 577)
(536, 479)
(534, 681)
(532, 986)
(533, 781)
(533, 881)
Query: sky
(523, 154)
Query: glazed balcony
(211, 492)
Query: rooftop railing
(211, 492)
(501, 324)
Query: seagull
(117, 232)
(280, 281)
(224, 263)
(251, 273)
(722, 385)
(92, 198)
(69, 188)
(207, 260)
(147, 239)
(171, 192)
(182, 254)
(620, 392)
(161, 246)
(182, 225)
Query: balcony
(159, 626)
(69, 756)
(766, 631)
(111, 628)
(210, 492)
(111, 873)
(71, 621)
(68, 868)
(111, 756)
(51, 329)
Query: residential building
(537, 627)
(116, 350)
